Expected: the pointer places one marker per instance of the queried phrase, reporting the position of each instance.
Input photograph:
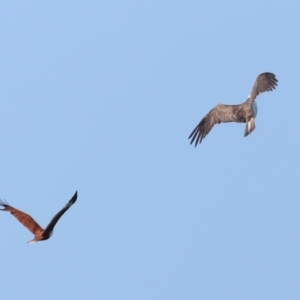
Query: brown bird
(40, 234)
(241, 113)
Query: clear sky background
(101, 97)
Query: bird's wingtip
(73, 199)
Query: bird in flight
(241, 113)
(40, 234)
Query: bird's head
(254, 108)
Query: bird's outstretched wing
(265, 82)
(219, 114)
(55, 219)
(23, 218)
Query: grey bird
(241, 113)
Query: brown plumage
(40, 234)
(241, 113)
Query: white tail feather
(250, 126)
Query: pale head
(254, 109)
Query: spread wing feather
(23, 218)
(55, 219)
(219, 114)
(265, 82)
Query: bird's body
(40, 234)
(241, 113)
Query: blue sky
(101, 97)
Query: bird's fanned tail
(250, 126)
